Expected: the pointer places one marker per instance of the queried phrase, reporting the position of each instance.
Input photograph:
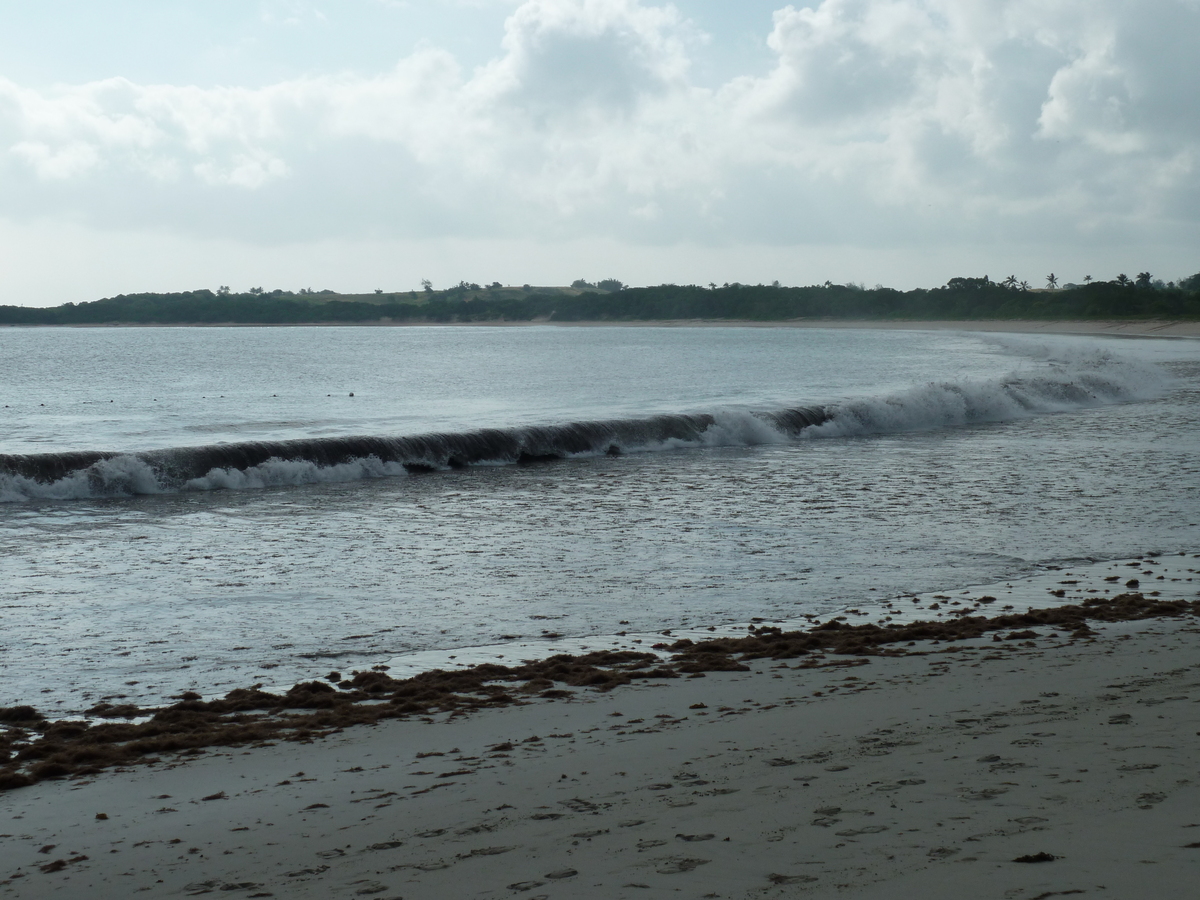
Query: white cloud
(888, 122)
(57, 163)
(289, 12)
(565, 58)
(243, 170)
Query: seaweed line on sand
(33, 748)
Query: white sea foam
(1064, 381)
(120, 476)
(1054, 378)
(285, 472)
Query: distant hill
(609, 301)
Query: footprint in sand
(302, 872)
(562, 873)
(486, 851)
(368, 888)
(1036, 858)
(646, 845)
(855, 832)
(1147, 801)
(791, 879)
(476, 829)
(521, 886)
(691, 838)
(985, 794)
(675, 865)
(579, 805)
(434, 866)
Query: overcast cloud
(901, 141)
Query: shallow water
(930, 476)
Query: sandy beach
(1116, 327)
(926, 774)
(1127, 328)
(1119, 328)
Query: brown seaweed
(34, 748)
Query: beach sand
(923, 775)
(1125, 328)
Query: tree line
(959, 299)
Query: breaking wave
(1097, 380)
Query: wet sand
(1143, 328)
(927, 774)
(1171, 328)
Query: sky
(163, 145)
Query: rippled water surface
(950, 460)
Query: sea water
(209, 508)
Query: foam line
(1054, 386)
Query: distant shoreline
(1119, 328)
(960, 300)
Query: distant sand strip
(931, 774)
(1115, 327)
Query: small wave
(957, 403)
(1054, 386)
(284, 472)
(258, 464)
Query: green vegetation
(608, 300)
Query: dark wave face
(212, 466)
(1086, 382)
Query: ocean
(210, 508)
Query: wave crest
(1055, 386)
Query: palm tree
(1087, 279)
(1123, 280)
(1010, 281)
(1052, 281)
(1024, 285)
